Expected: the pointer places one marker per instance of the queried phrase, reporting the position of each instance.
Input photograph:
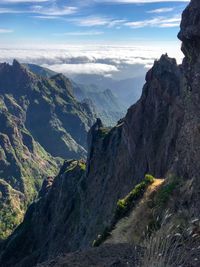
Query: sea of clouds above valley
(118, 62)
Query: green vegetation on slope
(12, 206)
(124, 206)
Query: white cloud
(5, 30)
(82, 33)
(139, 1)
(161, 22)
(43, 12)
(97, 21)
(88, 68)
(46, 17)
(119, 61)
(54, 11)
(161, 10)
(91, 21)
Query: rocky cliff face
(188, 144)
(159, 135)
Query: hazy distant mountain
(106, 104)
(108, 107)
(128, 91)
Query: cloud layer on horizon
(120, 62)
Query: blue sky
(99, 21)
(115, 38)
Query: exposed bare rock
(190, 30)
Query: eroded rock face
(190, 30)
(188, 144)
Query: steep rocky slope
(39, 120)
(23, 165)
(143, 142)
(159, 135)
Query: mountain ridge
(39, 118)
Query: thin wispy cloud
(160, 22)
(5, 31)
(43, 12)
(139, 1)
(46, 17)
(82, 33)
(54, 11)
(97, 21)
(161, 10)
(91, 21)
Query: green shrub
(82, 165)
(103, 131)
(124, 206)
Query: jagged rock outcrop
(159, 135)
